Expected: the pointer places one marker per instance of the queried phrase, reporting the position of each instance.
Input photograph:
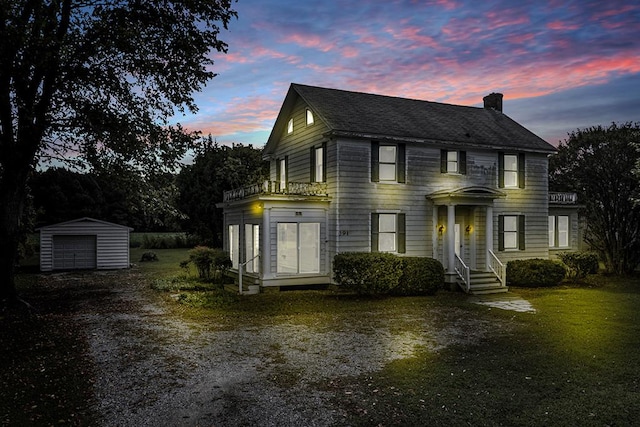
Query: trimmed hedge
(367, 273)
(382, 273)
(420, 276)
(579, 264)
(535, 273)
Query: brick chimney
(493, 101)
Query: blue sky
(561, 65)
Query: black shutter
(500, 170)
(375, 160)
(401, 164)
(324, 162)
(278, 173)
(521, 170)
(462, 162)
(501, 232)
(401, 234)
(443, 161)
(312, 161)
(521, 233)
(375, 227)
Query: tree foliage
(143, 203)
(600, 165)
(97, 83)
(215, 169)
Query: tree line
(183, 201)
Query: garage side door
(74, 252)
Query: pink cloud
(413, 34)
(562, 26)
(309, 41)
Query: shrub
(535, 273)
(579, 264)
(420, 276)
(367, 273)
(148, 257)
(208, 260)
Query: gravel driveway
(153, 368)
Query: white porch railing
(274, 187)
(240, 272)
(497, 267)
(463, 272)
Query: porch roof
(474, 195)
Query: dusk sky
(561, 65)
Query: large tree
(598, 164)
(216, 168)
(96, 82)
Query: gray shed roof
(385, 117)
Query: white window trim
(394, 163)
(514, 172)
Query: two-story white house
(362, 172)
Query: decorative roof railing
(274, 187)
(563, 198)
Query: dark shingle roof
(378, 116)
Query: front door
(458, 241)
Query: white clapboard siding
(111, 245)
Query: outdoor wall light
(441, 229)
(469, 229)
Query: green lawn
(576, 361)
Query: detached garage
(84, 244)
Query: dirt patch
(151, 368)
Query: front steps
(483, 282)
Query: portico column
(451, 238)
(489, 234)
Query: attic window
(309, 117)
(290, 126)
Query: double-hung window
(559, 231)
(234, 244)
(281, 172)
(454, 162)
(252, 247)
(511, 232)
(511, 170)
(388, 232)
(387, 162)
(318, 163)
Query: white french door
(298, 248)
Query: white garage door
(74, 252)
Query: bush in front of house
(579, 264)
(367, 273)
(420, 276)
(208, 261)
(535, 273)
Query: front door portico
(464, 227)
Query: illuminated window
(511, 170)
(453, 162)
(309, 118)
(281, 172)
(234, 244)
(290, 126)
(252, 247)
(319, 164)
(387, 162)
(387, 156)
(511, 233)
(388, 232)
(298, 248)
(559, 231)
